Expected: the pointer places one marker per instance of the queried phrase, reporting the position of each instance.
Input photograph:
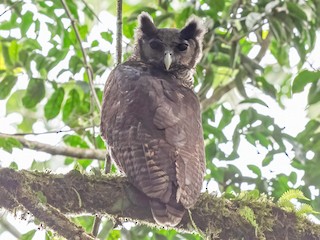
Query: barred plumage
(151, 118)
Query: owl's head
(169, 49)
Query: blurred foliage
(43, 79)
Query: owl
(151, 119)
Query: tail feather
(167, 214)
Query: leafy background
(259, 60)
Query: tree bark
(74, 193)
(67, 151)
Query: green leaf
(278, 30)
(14, 143)
(94, 43)
(28, 236)
(280, 52)
(303, 78)
(254, 100)
(6, 86)
(55, 56)
(293, 177)
(84, 163)
(75, 64)
(53, 106)
(84, 221)
(236, 139)
(27, 20)
(256, 170)
(83, 31)
(211, 150)
(114, 235)
(266, 86)
(128, 28)
(262, 138)
(71, 104)
(14, 51)
(239, 83)
(226, 119)
(218, 5)
(314, 93)
(266, 161)
(75, 141)
(107, 36)
(14, 165)
(68, 161)
(73, 9)
(8, 143)
(6, 55)
(296, 11)
(34, 94)
(30, 44)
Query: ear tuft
(146, 25)
(193, 29)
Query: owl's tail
(167, 214)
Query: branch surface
(74, 152)
(119, 32)
(217, 218)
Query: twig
(9, 8)
(217, 95)
(119, 32)
(53, 131)
(264, 47)
(107, 167)
(84, 55)
(96, 225)
(74, 152)
(220, 91)
(9, 227)
(90, 10)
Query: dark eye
(182, 46)
(156, 44)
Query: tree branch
(10, 7)
(84, 55)
(91, 10)
(75, 193)
(217, 95)
(119, 32)
(221, 90)
(4, 224)
(35, 203)
(59, 150)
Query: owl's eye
(182, 46)
(156, 44)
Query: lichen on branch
(75, 193)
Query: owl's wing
(147, 124)
(178, 114)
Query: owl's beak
(167, 59)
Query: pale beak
(167, 59)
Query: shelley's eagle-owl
(151, 118)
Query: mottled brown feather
(151, 122)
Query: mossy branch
(218, 218)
